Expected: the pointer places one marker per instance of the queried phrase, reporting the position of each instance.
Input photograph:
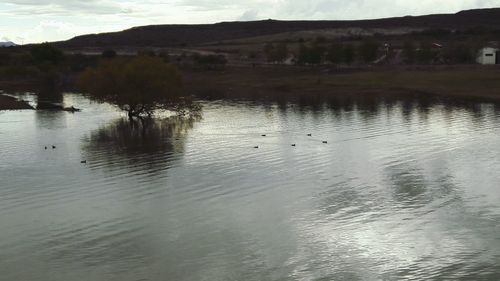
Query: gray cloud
(42, 20)
(338, 9)
(67, 7)
(249, 9)
(249, 15)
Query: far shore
(287, 83)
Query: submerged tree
(139, 86)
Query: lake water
(403, 190)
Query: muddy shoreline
(11, 103)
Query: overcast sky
(49, 20)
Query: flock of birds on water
(294, 144)
(256, 147)
(54, 147)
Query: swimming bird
(53, 147)
(45, 148)
(84, 162)
(294, 145)
(264, 135)
(255, 147)
(309, 135)
(325, 142)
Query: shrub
(108, 54)
(46, 53)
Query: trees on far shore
(371, 51)
(46, 53)
(340, 53)
(276, 53)
(310, 54)
(368, 51)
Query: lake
(404, 189)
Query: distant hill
(7, 44)
(178, 35)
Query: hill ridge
(168, 35)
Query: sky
(32, 21)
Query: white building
(489, 55)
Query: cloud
(337, 9)
(68, 7)
(46, 20)
(245, 9)
(249, 15)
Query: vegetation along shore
(397, 56)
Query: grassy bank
(282, 82)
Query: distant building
(489, 55)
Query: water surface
(404, 189)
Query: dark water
(403, 190)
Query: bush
(310, 54)
(320, 40)
(368, 51)
(46, 53)
(210, 61)
(79, 62)
(147, 53)
(165, 56)
(19, 72)
(349, 53)
(425, 54)
(276, 54)
(108, 54)
(409, 52)
(459, 54)
(340, 53)
(335, 53)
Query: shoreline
(284, 82)
(289, 83)
(11, 103)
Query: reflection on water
(146, 146)
(405, 189)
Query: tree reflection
(48, 97)
(143, 145)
